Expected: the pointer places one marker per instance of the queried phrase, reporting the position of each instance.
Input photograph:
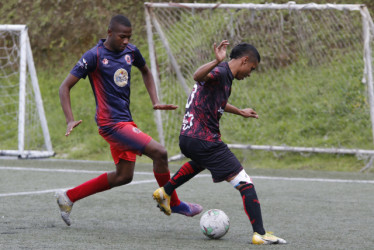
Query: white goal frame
(26, 62)
(368, 33)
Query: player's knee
(241, 180)
(156, 151)
(123, 180)
(161, 154)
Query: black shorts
(214, 156)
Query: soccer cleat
(267, 238)
(163, 200)
(65, 205)
(187, 209)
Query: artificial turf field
(310, 209)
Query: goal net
(23, 126)
(313, 89)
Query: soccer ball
(214, 223)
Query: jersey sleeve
(139, 60)
(214, 77)
(85, 65)
(215, 74)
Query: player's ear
(109, 32)
(245, 59)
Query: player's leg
(124, 161)
(159, 156)
(162, 194)
(186, 172)
(123, 175)
(170, 202)
(224, 165)
(66, 199)
(243, 183)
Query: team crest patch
(105, 61)
(136, 130)
(121, 77)
(187, 121)
(128, 59)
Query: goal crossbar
(274, 6)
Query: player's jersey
(206, 105)
(109, 74)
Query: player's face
(119, 37)
(246, 68)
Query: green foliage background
(61, 31)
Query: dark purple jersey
(206, 104)
(109, 73)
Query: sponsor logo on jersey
(105, 61)
(136, 130)
(128, 59)
(220, 110)
(121, 77)
(187, 121)
(82, 64)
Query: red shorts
(125, 140)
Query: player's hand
(72, 125)
(220, 51)
(248, 112)
(165, 106)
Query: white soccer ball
(214, 223)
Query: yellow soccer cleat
(267, 238)
(163, 200)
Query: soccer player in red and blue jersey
(200, 138)
(108, 67)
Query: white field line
(313, 179)
(200, 175)
(153, 180)
(80, 171)
(55, 190)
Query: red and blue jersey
(109, 73)
(206, 105)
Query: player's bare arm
(202, 73)
(150, 86)
(64, 92)
(246, 113)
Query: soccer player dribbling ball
(200, 138)
(108, 66)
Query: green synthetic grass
(309, 214)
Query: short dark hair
(245, 49)
(119, 19)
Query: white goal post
(317, 56)
(23, 125)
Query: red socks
(88, 188)
(162, 179)
(100, 184)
